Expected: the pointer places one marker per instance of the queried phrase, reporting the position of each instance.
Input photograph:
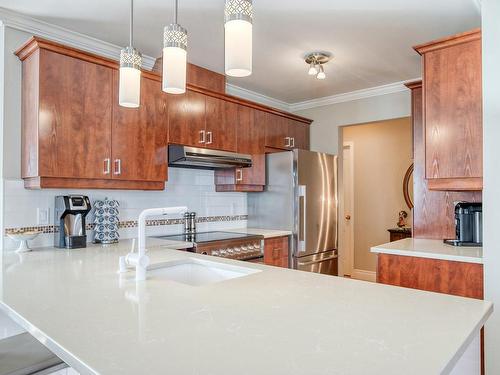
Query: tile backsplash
(190, 187)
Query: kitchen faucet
(139, 259)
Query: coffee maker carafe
(468, 224)
(69, 217)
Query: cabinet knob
(348, 217)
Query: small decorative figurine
(402, 219)
(106, 221)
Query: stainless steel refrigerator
(301, 196)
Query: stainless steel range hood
(202, 158)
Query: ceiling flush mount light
(238, 15)
(316, 60)
(129, 93)
(174, 57)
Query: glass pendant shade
(174, 59)
(238, 37)
(321, 73)
(312, 70)
(129, 92)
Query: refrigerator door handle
(317, 261)
(302, 218)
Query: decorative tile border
(131, 224)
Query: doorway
(375, 159)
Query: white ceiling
(371, 40)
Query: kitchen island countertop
(276, 321)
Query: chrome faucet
(139, 259)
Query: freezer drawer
(326, 263)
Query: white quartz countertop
(434, 249)
(276, 321)
(267, 233)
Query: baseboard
(364, 275)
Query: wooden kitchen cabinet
(221, 124)
(69, 122)
(139, 135)
(250, 140)
(434, 275)
(186, 119)
(285, 134)
(452, 102)
(276, 251)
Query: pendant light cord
(175, 11)
(131, 36)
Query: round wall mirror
(408, 187)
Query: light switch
(42, 216)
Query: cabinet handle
(287, 141)
(107, 166)
(202, 136)
(293, 142)
(209, 136)
(239, 175)
(118, 166)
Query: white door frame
(348, 186)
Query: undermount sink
(197, 272)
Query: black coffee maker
(69, 220)
(468, 224)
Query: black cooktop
(204, 237)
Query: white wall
(327, 119)
(194, 188)
(491, 199)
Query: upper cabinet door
(222, 118)
(299, 132)
(186, 119)
(251, 135)
(140, 135)
(453, 112)
(277, 132)
(74, 115)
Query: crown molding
(256, 97)
(18, 21)
(350, 96)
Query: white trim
(364, 275)
(62, 35)
(350, 96)
(256, 97)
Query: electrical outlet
(42, 215)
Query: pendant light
(238, 16)
(129, 93)
(174, 57)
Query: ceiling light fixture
(129, 92)
(316, 60)
(174, 57)
(238, 16)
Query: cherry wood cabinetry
(186, 119)
(433, 211)
(285, 134)
(435, 275)
(452, 101)
(139, 135)
(276, 251)
(221, 124)
(250, 137)
(73, 136)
